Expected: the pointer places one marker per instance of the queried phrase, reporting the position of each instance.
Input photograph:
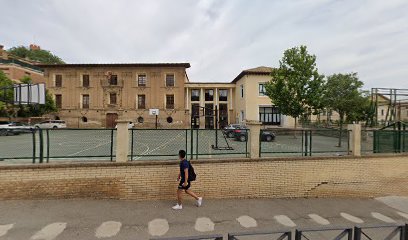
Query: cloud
(219, 38)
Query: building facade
(16, 68)
(95, 95)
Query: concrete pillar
(253, 139)
(355, 139)
(122, 140)
(202, 104)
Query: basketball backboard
(29, 93)
(154, 111)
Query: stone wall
(233, 178)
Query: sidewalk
(113, 219)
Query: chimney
(34, 47)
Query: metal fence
(41, 145)
(292, 142)
(198, 143)
(384, 141)
(378, 232)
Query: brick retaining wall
(234, 178)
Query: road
(115, 219)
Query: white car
(51, 124)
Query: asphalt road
(112, 219)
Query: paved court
(111, 219)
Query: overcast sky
(219, 38)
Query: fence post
(357, 233)
(122, 140)
(253, 137)
(355, 139)
(34, 144)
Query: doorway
(111, 120)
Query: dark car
(229, 130)
(242, 135)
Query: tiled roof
(186, 65)
(262, 70)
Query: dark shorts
(180, 186)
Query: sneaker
(177, 207)
(199, 201)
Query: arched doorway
(111, 120)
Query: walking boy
(184, 182)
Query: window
(242, 116)
(58, 80)
(58, 100)
(112, 98)
(84, 119)
(85, 101)
(169, 101)
(141, 101)
(223, 95)
(169, 119)
(140, 120)
(195, 110)
(209, 95)
(85, 80)
(195, 95)
(169, 80)
(141, 80)
(242, 91)
(382, 112)
(113, 80)
(262, 91)
(269, 115)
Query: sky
(219, 38)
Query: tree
(296, 87)
(343, 94)
(6, 95)
(38, 55)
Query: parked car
(51, 124)
(229, 130)
(19, 127)
(8, 128)
(5, 129)
(130, 125)
(242, 135)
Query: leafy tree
(296, 87)
(6, 95)
(344, 95)
(38, 55)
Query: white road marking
(285, 220)
(108, 229)
(402, 214)
(50, 231)
(319, 219)
(158, 227)
(204, 224)
(351, 218)
(5, 228)
(382, 217)
(247, 221)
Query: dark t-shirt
(183, 165)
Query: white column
(230, 99)
(216, 97)
(355, 139)
(188, 99)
